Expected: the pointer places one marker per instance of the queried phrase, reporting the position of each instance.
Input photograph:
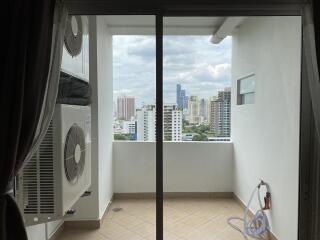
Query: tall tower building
(172, 122)
(181, 98)
(125, 107)
(146, 123)
(178, 95)
(194, 110)
(203, 111)
(220, 113)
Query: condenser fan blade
(74, 153)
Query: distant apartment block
(146, 123)
(125, 107)
(129, 127)
(194, 110)
(210, 100)
(114, 109)
(220, 113)
(172, 122)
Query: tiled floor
(184, 219)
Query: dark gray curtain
(309, 199)
(316, 22)
(310, 58)
(26, 50)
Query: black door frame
(159, 126)
(213, 8)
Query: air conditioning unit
(75, 55)
(59, 173)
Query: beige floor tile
(145, 229)
(184, 219)
(82, 235)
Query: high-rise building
(210, 101)
(181, 98)
(203, 111)
(220, 114)
(125, 107)
(194, 110)
(129, 127)
(178, 96)
(172, 122)
(185, 101)
(146, 123)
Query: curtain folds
(310, 57)
(309, 166)
(28, 88)
(316, 23)
(60, 18)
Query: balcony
(198, 193)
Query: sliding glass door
(133, 210)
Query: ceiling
(145, 25)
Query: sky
(202, 68)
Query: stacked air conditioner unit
(60, 171)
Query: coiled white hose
(259, 224)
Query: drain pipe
(226, 29)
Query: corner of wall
(105, 109)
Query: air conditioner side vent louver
(30, 186)
(46, 176)
(38, 178)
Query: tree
(202, 129)
(185, 122)
(167, 138)
(185, 126)
(200, 137)
(122, 137)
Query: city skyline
(203, 68)
(204, 119)
(141, 105)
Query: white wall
(188, 167)
(266, 133)
(105, 113)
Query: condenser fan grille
(74, 153)
(73, 40)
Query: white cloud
(219, 70)
(201, 67)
